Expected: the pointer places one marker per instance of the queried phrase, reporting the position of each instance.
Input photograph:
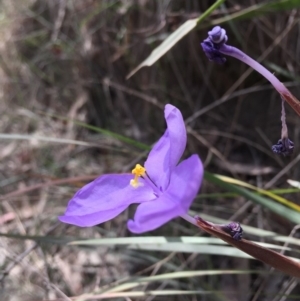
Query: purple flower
(163, 189)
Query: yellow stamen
(138, 171)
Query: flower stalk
(215, 48)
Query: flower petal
(177, 134)
(186, 181)
(184, 185)
(166, 153)
(153, 214)
(105, 198)
(92, 219)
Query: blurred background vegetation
(64, 97)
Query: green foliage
(273, 206)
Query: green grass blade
(294, 183)
(176, 275)
(4, 136)
(267, 193)
(175, 243)
(145, 294)
(39, 238)
(257, 10)
(174, 38)
(275, 207)
(108, 133)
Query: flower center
(138, 171)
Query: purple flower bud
(212, 52)
(234, 229)
(215, 48)
(218, 35)
(283, 147)
(211, 46)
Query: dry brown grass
(70, 59)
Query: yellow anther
(138, 171)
